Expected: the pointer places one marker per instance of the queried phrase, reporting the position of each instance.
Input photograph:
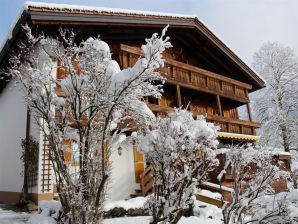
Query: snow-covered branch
(277, 104)
(253, 172)
(80, 96)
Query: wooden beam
(218, 105)
(178, 96)
(249, 111)
(206, 90)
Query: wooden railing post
(241, 129)
(249, 111)
(178, 96)
(218, 105)
(228, 127)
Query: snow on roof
(238, 136)
(81, 8)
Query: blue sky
(244, 25)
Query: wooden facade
(201, 91)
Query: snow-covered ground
(17, 218)
(11, 217)
(203, 213)
(146, 220)
(207, 214)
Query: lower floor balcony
(230, 128)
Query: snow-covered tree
(277, 104)
(85, 119)
(253, 173)
(180, 148)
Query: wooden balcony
(235, 126)
(226, 124)
(192, 77)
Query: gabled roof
(38, 13)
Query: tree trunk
(177, 217)
(285, 138)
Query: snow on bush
(254, 171)
(97, 97)
(50, 208)
(279, 208)
(132, 203)
(180, 148)
(48, 213)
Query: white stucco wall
(12, 130)
(36, 134)
(122, 174)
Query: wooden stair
(225, 191)
(147, 187)
(146, 183)
(209, 200)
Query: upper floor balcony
(192, 77)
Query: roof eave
(60, 17)
(259, 82)
(15, 30)
(38, 17)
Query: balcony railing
(192, 77)
(226, 124)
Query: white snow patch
(210, 194)
(11, 217)
(129, 220)
(133, 203)
(147, 219)
(207, 213)
(221, 151)
(41, 219)
(217, 186)
(49, 208)
(82, 8)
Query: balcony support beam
(218, 105)
(178, 96)
(249, 111)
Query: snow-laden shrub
(49, 212)
(97, 96)
(50, 208)
(254, 172)
(180, 148)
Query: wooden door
(139, 164)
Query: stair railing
(147, 180)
